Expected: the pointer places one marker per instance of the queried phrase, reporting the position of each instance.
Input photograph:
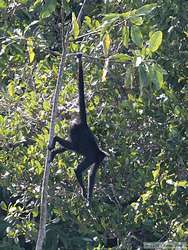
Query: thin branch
(85, 35)
(12, 146)
(98, 58)
(80, 13)
(44, 189)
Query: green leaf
(106, 43)
(181, 184)
(30, 50)
(136, 36)
(35, 212)
(46, 106)
(121, 57)
(3, 206)
(155, 41)
(87, 21)
(157, 76)
(146, 9)
(111, 16)
(23, 1)
(75, 26)
(127, 14)
(156, 172)
(125, 36)
(136, 20)
(146, 196)
(11, 89)
(48, 8)
(3, 4)
(142, 78)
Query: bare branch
(11, 146)
(80, 13)
(44, 189)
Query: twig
(85, 35)
(44, 189)
(98, 58)
(10, 145)
(80, 13)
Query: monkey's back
(83, 140)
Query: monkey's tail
(82, 106)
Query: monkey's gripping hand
(51, 145)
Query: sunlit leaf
(46, 105)
(146, 196)
(155, 40)
(111, 16)
(121, 57)
(136, 20)
(11, 88)
(106, 43)
(181, 183)
(136, 36)
(146, 9)
(75, 26)
(87, 21)
(35, 212)
(125, 36)
(30, 50)
(3, 4)
(127, 14)
(156, 172)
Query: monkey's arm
(64, 143)
(55, 152)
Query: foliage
(136, 87)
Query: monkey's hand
(51, 146)
(52, 155)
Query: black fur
(82, 141)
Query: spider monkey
(82, 141)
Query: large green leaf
(156, 76)
(136, 36)
(121, 57)
(48, 8)
(146, 9)
(155, 41)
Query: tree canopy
(135, 56)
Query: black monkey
(82, 141)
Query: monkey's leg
(56, 151)
(81, 167)
(91, 181)
(64, 143)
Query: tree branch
(44, 189)
(12, 146)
